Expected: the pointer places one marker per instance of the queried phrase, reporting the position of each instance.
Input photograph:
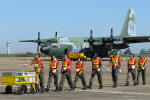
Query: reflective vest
(95, 63)
(38, 67)
(131, 63)
(65, 65)
(53, 65)
(79, 66)
(115, 61)
(142, 62)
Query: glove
(99, 69)
(120, 70)
(54, 71)
(133, 67)
(77, 70)
(36, 65)
(107, 69)
(143, 68)
(65, 68)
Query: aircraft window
(56, 46)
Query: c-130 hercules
(103, 46)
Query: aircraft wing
(137, 39)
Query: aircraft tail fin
(129, 25)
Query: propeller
(91, 40)
(38, 42)
(112, 39)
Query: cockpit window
(56, 46)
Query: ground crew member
(53, 72)
(132, 63)
(38, 66)
(80, 73)
(115, 62)
(66, 72)
(96, 69)
(142, 68)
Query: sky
(23, 19)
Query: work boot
(89, 87)
(57, 89)
(101, 87)
(42, 91)
(37, 90)
(47, 89)
(60, 89)
(72, 89)
(134, 83)
(115, 86)
(84, 88)
(127, 83)
(144, 83)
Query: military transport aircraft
(103, 46)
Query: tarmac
(122, 92)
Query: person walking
(142, 69)
(66, 73)
(80, 74)
(96, 69)
(132, 64)
(53, 72)
(115, 62)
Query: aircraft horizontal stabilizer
(137, 39)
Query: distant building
(8, 47)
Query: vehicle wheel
(24, 88)
(8, 89)
(32, 90)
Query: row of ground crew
(115, 63)
(133, 66)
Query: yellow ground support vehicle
(21, 80)
(74, 56)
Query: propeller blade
(111, 33)
(38, 35)
(39, 42)
(56, 35)
(28, 41)
(91, 34)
